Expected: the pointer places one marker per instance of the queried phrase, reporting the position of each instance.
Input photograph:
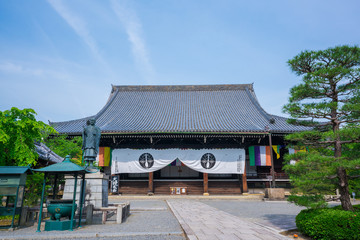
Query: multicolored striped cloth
(104, 156)
(259, 156)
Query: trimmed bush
(329, 223)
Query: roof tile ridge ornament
(175, 88)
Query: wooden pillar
(206, 184)
(244, 181)
(272, 161)
(151, 183)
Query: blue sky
(61, 57)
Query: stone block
(275, 193)
(24, 213)
(89, 214)
(96, 189)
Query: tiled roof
(182, 109)
(46, 154)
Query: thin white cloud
(45, 78)
(10, 67)
(133, 28)
(15, 68)
(79, 26)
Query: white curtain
(201, 160)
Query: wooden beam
(206, 183)
(272, 161)
(151, 182)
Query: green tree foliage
(63, 145)
(33, 192)
(330, 94)
(19, 129)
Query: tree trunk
(344, 190)
(341, 174)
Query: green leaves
(331, 80)
(64, 145)
(19, 129)
(309, 201)
(312, 173)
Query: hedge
(329, 223)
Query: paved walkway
(201, 221)
(200, 217)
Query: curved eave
(185, 133)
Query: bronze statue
(91, 139)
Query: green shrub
(356, 207)
(329, 223)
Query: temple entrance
(178, 170)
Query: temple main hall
(188, 139)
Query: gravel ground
(149, 219)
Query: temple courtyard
(184, 217)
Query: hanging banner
(260, 155)
(201, 160)
(103, 157)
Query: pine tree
(327, 99)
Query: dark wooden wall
(193, 187)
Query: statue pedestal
(96, 190)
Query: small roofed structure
(65, 167)
(12, 184)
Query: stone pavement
(165, 217)
(149, 220)
(279, 215)
(201, 221)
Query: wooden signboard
(115, 184)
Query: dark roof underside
(182, 109)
